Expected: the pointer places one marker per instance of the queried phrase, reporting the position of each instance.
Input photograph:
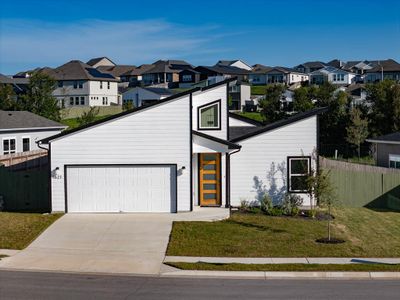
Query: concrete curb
(283, 275)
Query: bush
(291, 204)
(244, 204)
(276, 211)
(266, 204)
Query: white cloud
(38, 43)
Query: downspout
(228, 178)
(38, 143)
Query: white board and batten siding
(260, 152)
(208, 96)
(156, 135)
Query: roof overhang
(203, 143)
(382, 142)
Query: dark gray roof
(237, 131)
(391, 137)
(25, 119)
(159, 91)
(138, 71)
(117, 70)
(93, 61)
(388, 65)
(77, 70)
(168, 66)
(312, 64)
(261, 69)
(223, 70)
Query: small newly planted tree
(88, 116)
(357, 131)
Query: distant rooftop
(24, 119)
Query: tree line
(345, 123)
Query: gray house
(387, 150)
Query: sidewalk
(282, 260)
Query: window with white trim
(298, 170)
(9, 146)
(394, 161)
(209, 116)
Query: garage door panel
(121, 188)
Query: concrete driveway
(105, 243)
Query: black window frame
(75, 84)
(82, 100)
(199, 108)
(9, 151)
(289, 175)
(80, 84)
(23, 144)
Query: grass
(73, 123)
(258, 89)
(287, 267)
(367, 233)
(252, 115)
(365, 160)
(18, 230)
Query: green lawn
(367, 233)
(287, 267)
(252, 115)
(18, 230)
(258, 89)
(73, 123)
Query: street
(40, 285)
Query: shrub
(244, 204)
(276, 211)
(266, 204)
(291, 204)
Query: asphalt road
(33, 285)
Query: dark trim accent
(119, 165)
(49, 180)
(122, 114)
(318, 144)
(30, 130)
(191, 149)
(198, 178)
(217, 140)
(281, 123)
(245, 119)
(227, 111)
(288, 175)
(199, 108)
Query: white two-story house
(332, 75)
(79, 84)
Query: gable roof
(218, 140)
(281, 123)
(77, 70)
(117, 70)
(93, 61)
(138, 70)
(330, 69)
(134, 110)
(168, 66)
(388, 65)
(312, 64)
(223, 70)
(391, 138)
(261, 69)
(25, 120)
(245, 119)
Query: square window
(209, 116)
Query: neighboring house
(78, 84)
(178, 153)
(20, 130)
(139, 96)
(135, 76)
(234, 63)
(101, 62)
(309, 67)
(332, 75)
(239, 93)
(358, 93)
(117, 71)
(217, 73)
(387, 150)
(267, 75)
(385, 69)
(19, 84)
(188, 77)
(165, 72)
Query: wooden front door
(210, 179)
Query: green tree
(7, 97)
(384, 100)
(303, 98)
(357, 131)
(39, 99)
(271, 104)
(128, 105)
(88, 116)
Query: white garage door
(121, 188)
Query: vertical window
(298, 171)
(101, 84)
(82, 100)
(209, 116)
(394, 161)
(26, 144)
(108, 85)
(334, 77)
(75, 84)
(60, 84)
(71, 100)
(9, 146)
(76, 100)
(80, 84)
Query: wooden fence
(360, 185)
(25, 160)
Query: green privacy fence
(364, 186)
(25, 190)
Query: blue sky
(51, 32)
